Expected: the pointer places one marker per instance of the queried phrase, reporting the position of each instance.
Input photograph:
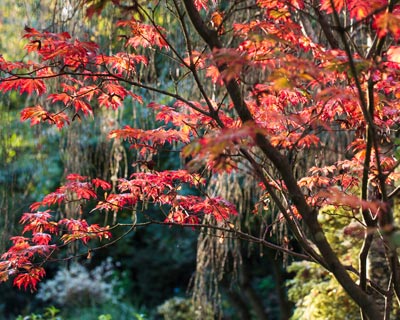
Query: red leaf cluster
(20, 259)
(144, 35)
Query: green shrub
(183, 309)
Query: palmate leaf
(23, 85)
(202, 4)
(388, 23)
(78, 186)
(147, 141)
(79, 229)
(144, 35)
(82, 105)
(99, 183)
(162, 189)
(338, 5)
(37, 114)
(189, 209)
(38, 222)
(122, 62)
(41, 238)
(29, 279)
(60, 47)
(63, 97)
(362, 9)
(298, 4)
(116, 202)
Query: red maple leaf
(388, 23)
(101, 183)
(28, 85)
(338, 5)
(41, 238)
(144, 35)
(36, 114)
(201, 4)
(29, 279)
(362, 9)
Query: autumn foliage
(271, 103)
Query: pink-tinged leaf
(201, 4)
(101, 183)
(82, 105)
(233, 61)
(297, 4)
(75, 186)
(149, 140)
(315, 182)
(116, 202)
(79, 229)
(362, 9)
(35, 206)
(146, 182)
(83, 190)
(35, 114)
(110, 101)
(74, 224)
(197, 58)
(122, 61)
(52, 198)
(339, 198)
(63, 97)
(19, 240)
(37, 222)
(41, 238)
(215, 149)
(179, 216)
(31, 32)
(114, 94)
(95, 231)
(144, 35)
(213, 73)
(115, 89)
(393, 54)
(217, 207)
(308, 141)
(88, 92)
(388, 23)
(326, 5)
(76, 177)
(59, 119)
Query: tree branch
(281, 163)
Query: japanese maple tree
(312, 116)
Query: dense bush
(183, 309)
(79, 287)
